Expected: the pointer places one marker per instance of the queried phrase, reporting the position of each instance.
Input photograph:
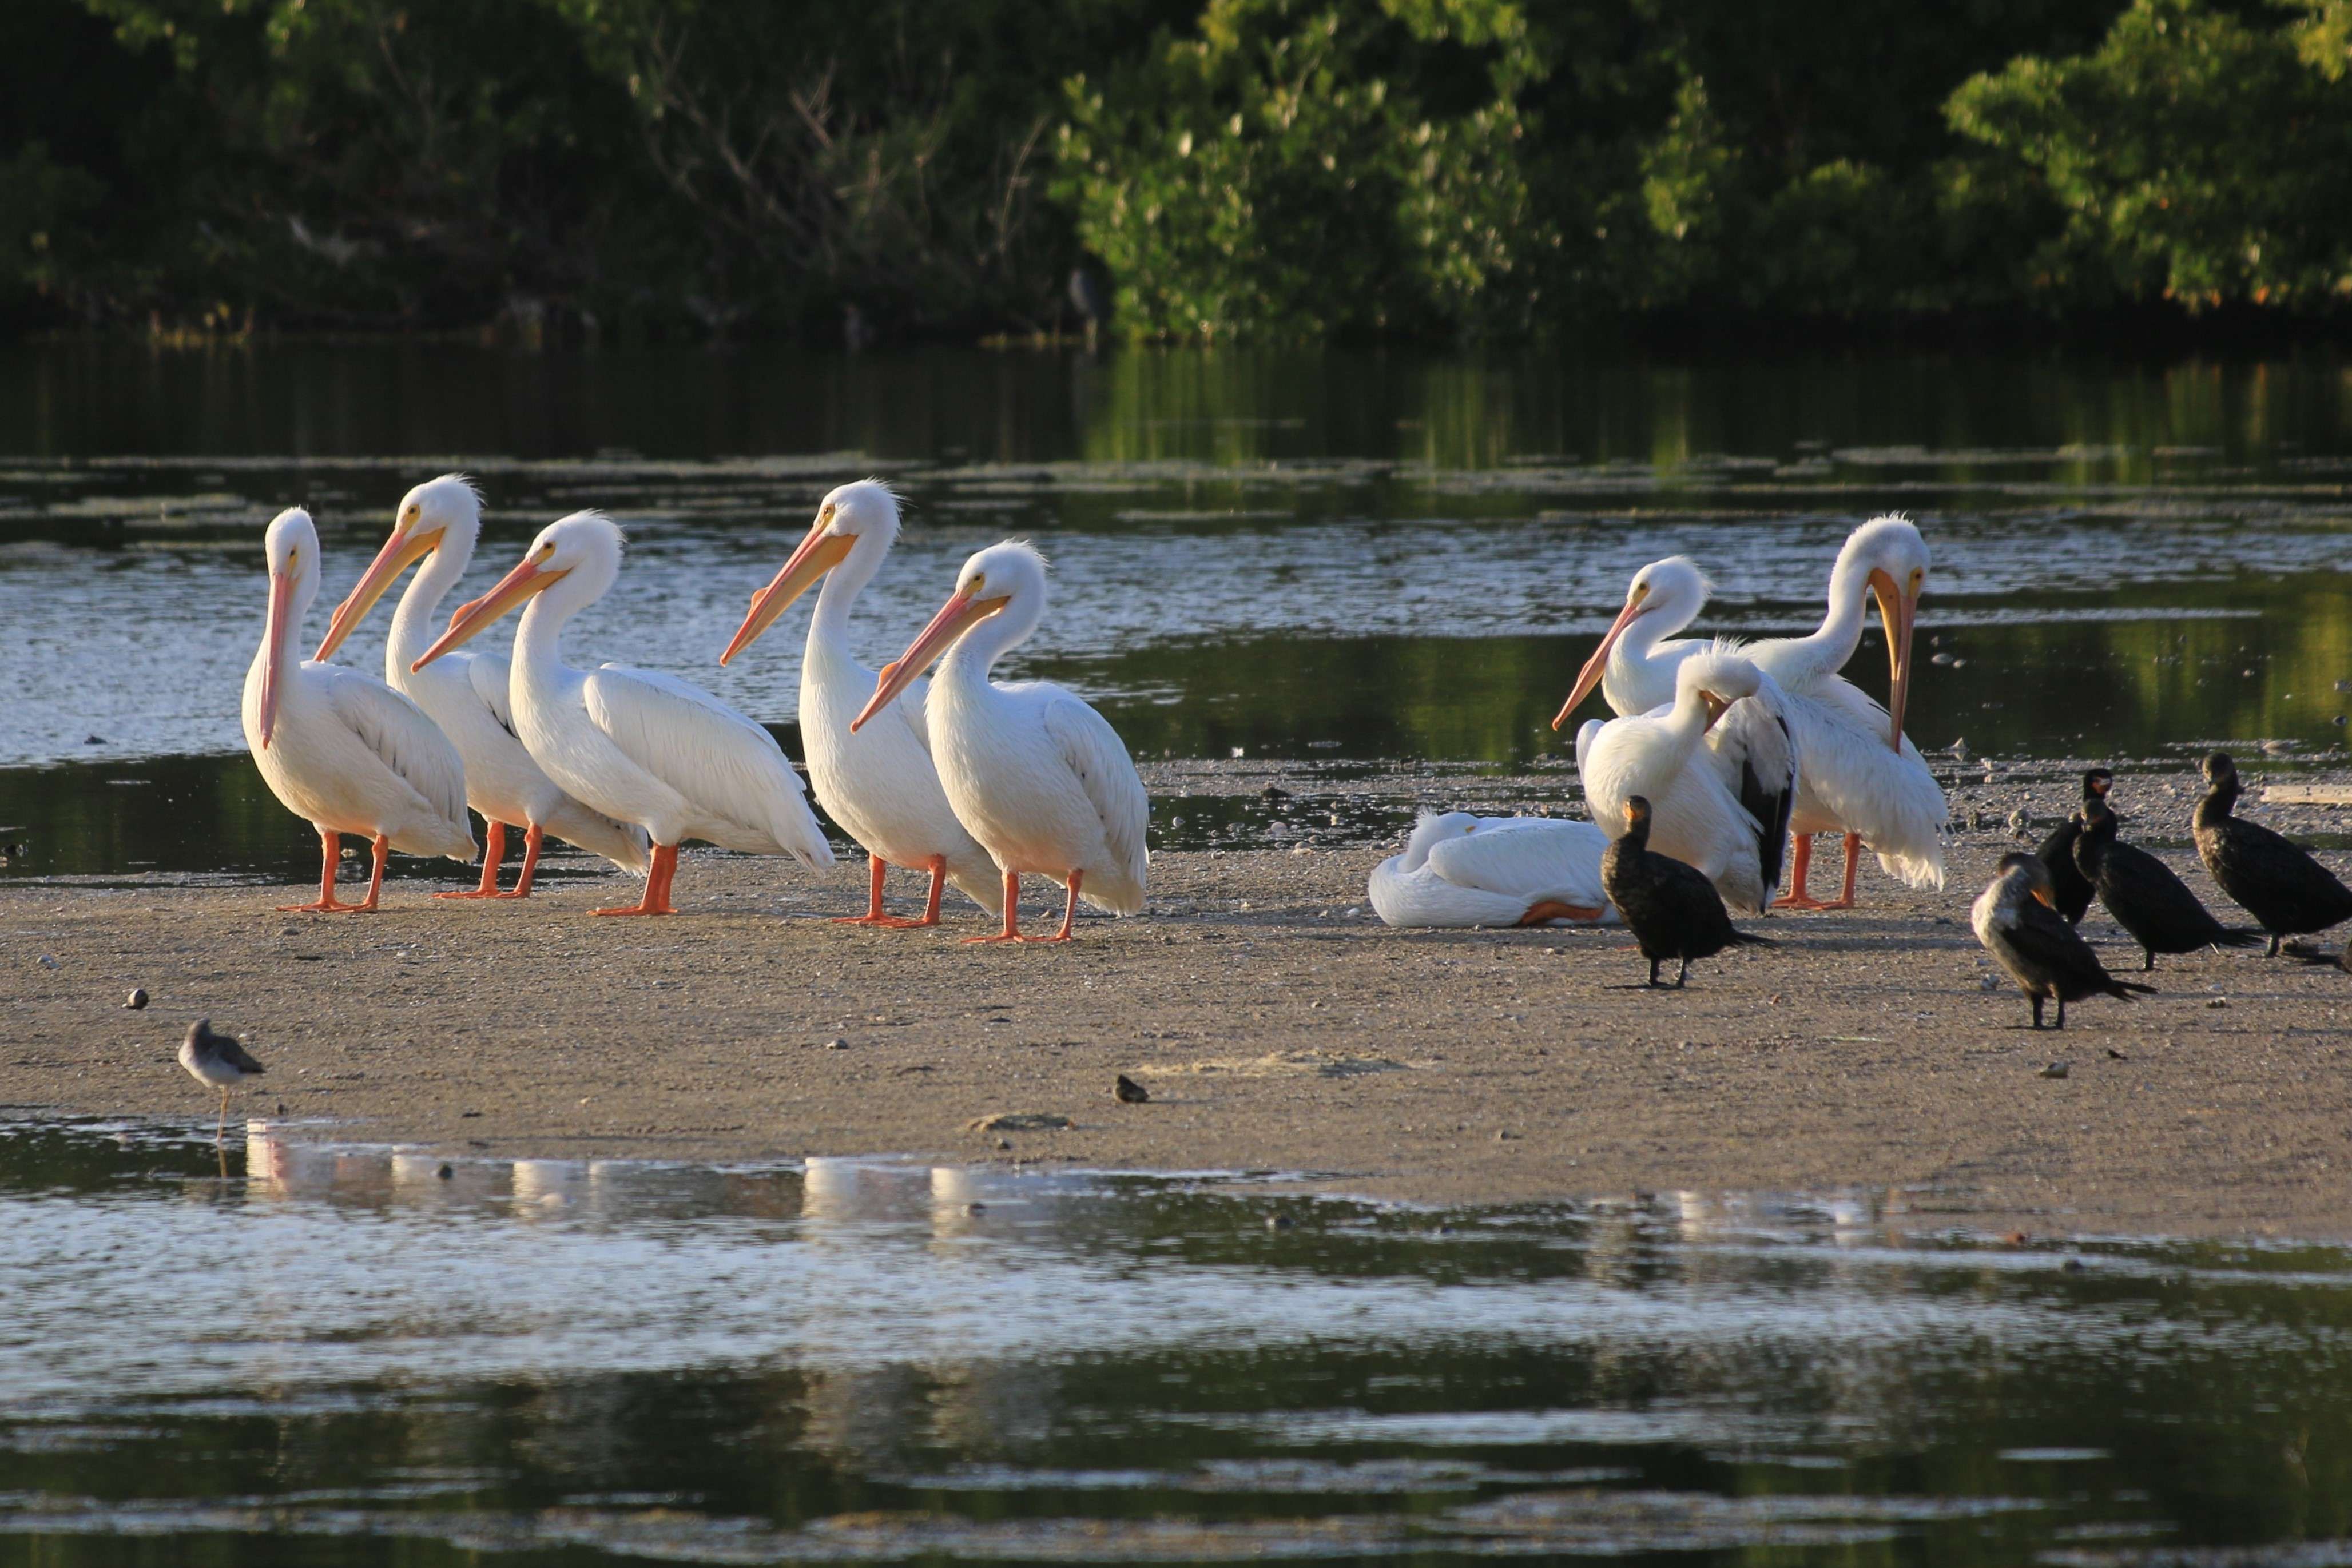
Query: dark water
(1355, 557)
(296, 1352)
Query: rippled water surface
(301, 1352)
(1329, 557)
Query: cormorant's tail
(1747, 939)
(2123, 988)
(2250, 936)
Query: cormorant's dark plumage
(2070, 890)
(2048, 958)
(2145, 898)
(2275, 882)
(1672, 909)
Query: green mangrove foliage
(1266, 169)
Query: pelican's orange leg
(1552, 909)
(533, 838)
(1853, 863)
(1012, 931)
(330, 845)
(657, 880)
(1800, 895)
(494, 850)
(874, 915)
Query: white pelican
(465, 694)
(347, 754)
(1696, 817)
(878, 783)
(1459, 870)
(1860, 776)
(1034, 774)
(1753, 748)
(633, 743)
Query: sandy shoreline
(1275, 1030)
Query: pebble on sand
(2055, 1070)
(1127, 1092)
(137, 1000)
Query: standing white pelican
(633, 743)
(1860, 776)
(1034, 774)
(1696, 816)
(465, 694)
(1753, 748)
(1460, 871)
(345, 752)
(878, 783)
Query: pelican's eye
(979, 582)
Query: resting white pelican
(1754, 746)
(878, 783)
(1459, 870)
(465, 694)
(633, 743)
(1696, 816)
(1860, 776)
(1034, 774)
(346, 753)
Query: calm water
(1330, 557)
(292, 1352)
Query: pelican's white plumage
(1861, 776)
(1458, 870)
(1696, 817)
(1037, 776)
(1755, 746)
(878, 782)
(345, 752)
(637, 744)
(465, 694)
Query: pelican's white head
(1432, 828)
(856, 526)
(291, 546)
(1715, 681)
(1663, 597)
(442, 515)
(1004, 584)
(1887, 558)
(581, 552)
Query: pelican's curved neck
(976, 651)
(1826, 650)
(412, 619)
(538, 639)
(842, 585)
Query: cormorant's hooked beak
(819, 553)
(1899, 607)
(957, 616)
(476, 614)
(398, 552)
(1636, 606)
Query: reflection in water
(397, 1358)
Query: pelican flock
(1722, 761)
(636, 745)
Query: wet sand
(1277, 1024)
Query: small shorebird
(218, 1061)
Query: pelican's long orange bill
(280, 632)
(475, 615)
(955, 617)
(1899, 611)
(1598, 665)
(394, 559)
(819, 553)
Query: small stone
(446, 1171)
(975, 1208)
(2055, 1070)
(281, 1108)
(2075, 1265)
(836, 1043)
(137, 1000)
(1988, 982)
(1127, 1092)
(2216, 1001)
(48, 962)
(93, 741)
(2114, 1055)
(1503, 1137)
(1003, 1143)
(1274, 791)
(1279, 1222)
